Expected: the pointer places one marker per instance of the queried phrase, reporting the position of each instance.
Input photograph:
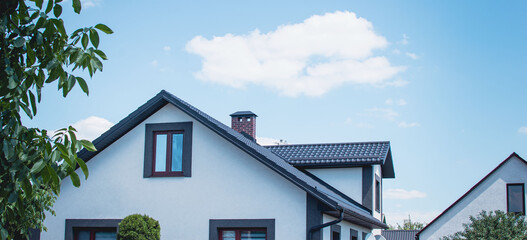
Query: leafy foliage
(35, 51)
(494, 225)
(408, 225)
(139, 227)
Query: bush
(139, 227)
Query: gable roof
(472, 189)
(399, 234)
(353, 213)
(329, 155)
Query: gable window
(241, 229)
(92, 229)
(243, 234)
(516, 198)
(168, 150)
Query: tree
(139, 227)
(495, 225)
(409, 225)
(36, 51)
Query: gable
(488, 194)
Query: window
(377, 195)
(91, 229)
(354, 234)
(241, 229)
(516, 198)
(95, 233)
(243, 234)
(168, 150)
(335, 232)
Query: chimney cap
(243, 114)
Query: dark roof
(399, 234)
(471, 189)
(243, 113)
(337, 155)
(353, 213)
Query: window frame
(92, 230)
(377, 199)
(238, 232)
(151, 130)
(523, 197)
(217, 225)
(335, 229)
(354, 234)
(73, 224)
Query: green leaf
(84, 40)
(57, 10)
(39, 3)
(83, 166)
(12, 197)
(88, 145)
(83, 85)
(104, 28)
(94, 38)
(75, 179)
(59, 23)
(62, 148)
(19, 42)
(77, 6)
(37, 167)
(33, 103)
(101, 54)
(49, 7)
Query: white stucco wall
(346, 180)
(226, 183)
(490, 195)
(344, 229)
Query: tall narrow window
(377, 196)
(516, 198)
(335, 232)
(354, 234)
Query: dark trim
(89, 223)
(150, 129)
(354, 233)
(313, 216)
(34, 234)
(216, 224)
(378, 193)
(387, 168)
(335, 228)
(471, 189)
(523, 196)
(367, 187)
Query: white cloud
(396, 51)
(404, 124)
(523, 130)
(90, 3)
(397, 83)
(399, 193)
(167, 48)
(400, 102)
(384, 113)
(154, 63)
(412, 55)
(404, 41)
(310, 58)
(392, 218)
(91, 127)
(264, 141)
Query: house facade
(502, 189)
(203, 180)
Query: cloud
(270, 141)
(90, 3)
(396, 51)
(154, 63)
(91, 127)
(384, 113)
(399, 193)
(167, 48)
(404, 41)
(523, 130)
(350, 121)
(400, 102)
(412, 55)
(404, 124)
(308, 58)
(397, 83)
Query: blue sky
(442, 80)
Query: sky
(443, 81)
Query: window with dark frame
(377, 196)
(91, 229)
(354, 234)
(95, 233)
(335, 232)
(168, 150)
(516, 198)
(243, 234)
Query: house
(502, 189)
(204, 180)
(399, 234)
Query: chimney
(244, 122)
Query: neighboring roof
(353, 213)
(399, 234)
(337, 155)
(243, 113)
(472, 189)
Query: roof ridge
(322, 144)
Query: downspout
(318, 227)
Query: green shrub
(139, 227)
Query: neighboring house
(203, 180)
(399, 234)
(502, 189)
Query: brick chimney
(244, 121)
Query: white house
(502, 189)
(203, 180)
